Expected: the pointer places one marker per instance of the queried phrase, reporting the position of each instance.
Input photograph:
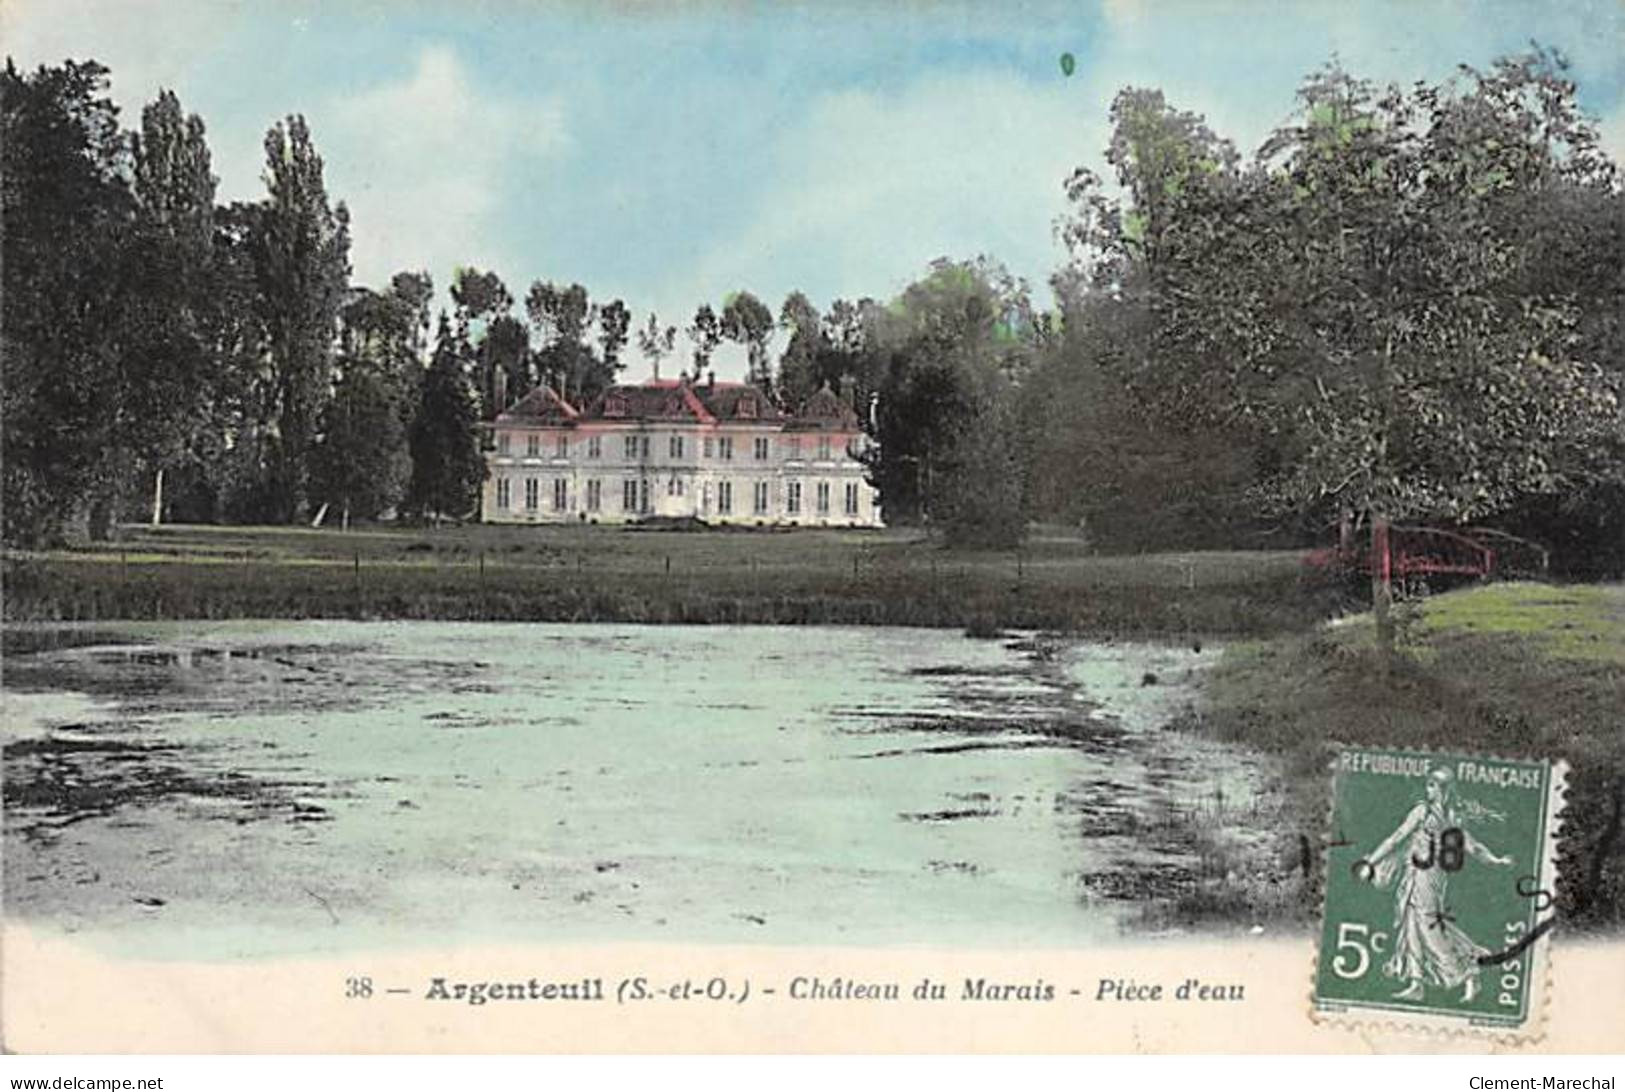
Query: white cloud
(148, 44)
(424, 164)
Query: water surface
(244, 789)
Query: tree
(799, 362)
(304, 268)
(614, 323)
(502, 356)
(478, 295)
(447, 467)
(1101, 457)
(362, 465)
(955, 352)
(229, 473)
(705, 334)
(1357, 291)
(170, 372)
(66, 207)
(748, 320)
(561, 317)
(656, 343)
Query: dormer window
(615, 406)
(747, 407)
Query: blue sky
(668, 154)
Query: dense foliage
(1406, 306)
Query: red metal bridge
(1474, 552)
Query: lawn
(615, 574)
(1507, 669)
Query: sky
(670, 154)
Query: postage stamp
(1441, 877)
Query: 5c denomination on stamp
(1440, 885)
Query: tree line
(1405, 306)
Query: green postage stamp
(1441, 879)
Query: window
(595, 494)
(747, 407)
(631, 447)
(615, 406)
(504, 493)
(792, 498)
(533, 444)
(503, 440)
(823, 448)
(710, 449)
(646, 447)
(795, 447)
(629, 495)
(530, 494)
(761, 447)
(561, 494)
(675, 487)
(561, 447)
(851, 498)
(823, 498)
(725, 497)
(674, 448)
(595, 447)
(643, 495)
(759, 501)
(725, 447)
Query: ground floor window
(561, 494)
(504, 493)
(725, 497)
(851, 498)
(759, 499)
(792, 498)
(629, 495)
(823, 498)
(530, 494)
(595, 494)
(675, 487)
(643, 496)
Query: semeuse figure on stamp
(1428, 846)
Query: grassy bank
(601, 574)
(1511, 669)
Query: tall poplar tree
(304, 268)
(171, 376)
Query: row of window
(635, 496)
(637, 447)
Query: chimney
(710, 379)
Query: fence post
(359, 611)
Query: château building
(719, 452)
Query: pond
(244, 789)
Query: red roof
(542, 406)
(683, 400)
(824, 411)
